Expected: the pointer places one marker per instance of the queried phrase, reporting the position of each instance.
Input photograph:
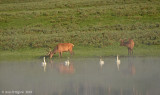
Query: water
(85, 76)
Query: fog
(84, 76)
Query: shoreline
(82, 52)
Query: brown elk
(61, 47)
(129, 44)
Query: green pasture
(29, 27)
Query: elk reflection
(62, 68)
(51, 65)
(131, 67)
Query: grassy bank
(80, 52)
(89, 24)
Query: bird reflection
(67, 63)
(101, 62)
(44, 64)
(118, 62)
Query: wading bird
(44, 64)
(118, 62)
(101, 62)
(67, 63)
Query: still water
(84, 76)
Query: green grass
(81, 52)
(96, 25)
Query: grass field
(29, 27)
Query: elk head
(129, 44)
(122, 42)
(50, 53)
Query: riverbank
(81, 51)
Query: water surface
(84, 76)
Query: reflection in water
(67, 63)
(44, 64)
(50, 66)
(101, 62)
(118, 62)
(131, 67)
(51, 63)
(60, 79)
(88, 89)
(62, 68)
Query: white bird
(67, 63)
(118, 62)
(44, 63)
(101, 62)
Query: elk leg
(129, 51)
(59, 54)
(71, 52)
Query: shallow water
(85, 76)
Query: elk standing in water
(129, 44)
(61, 47)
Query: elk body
(60, 48)
(129, 44)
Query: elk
(129, 44)
(60, 48)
